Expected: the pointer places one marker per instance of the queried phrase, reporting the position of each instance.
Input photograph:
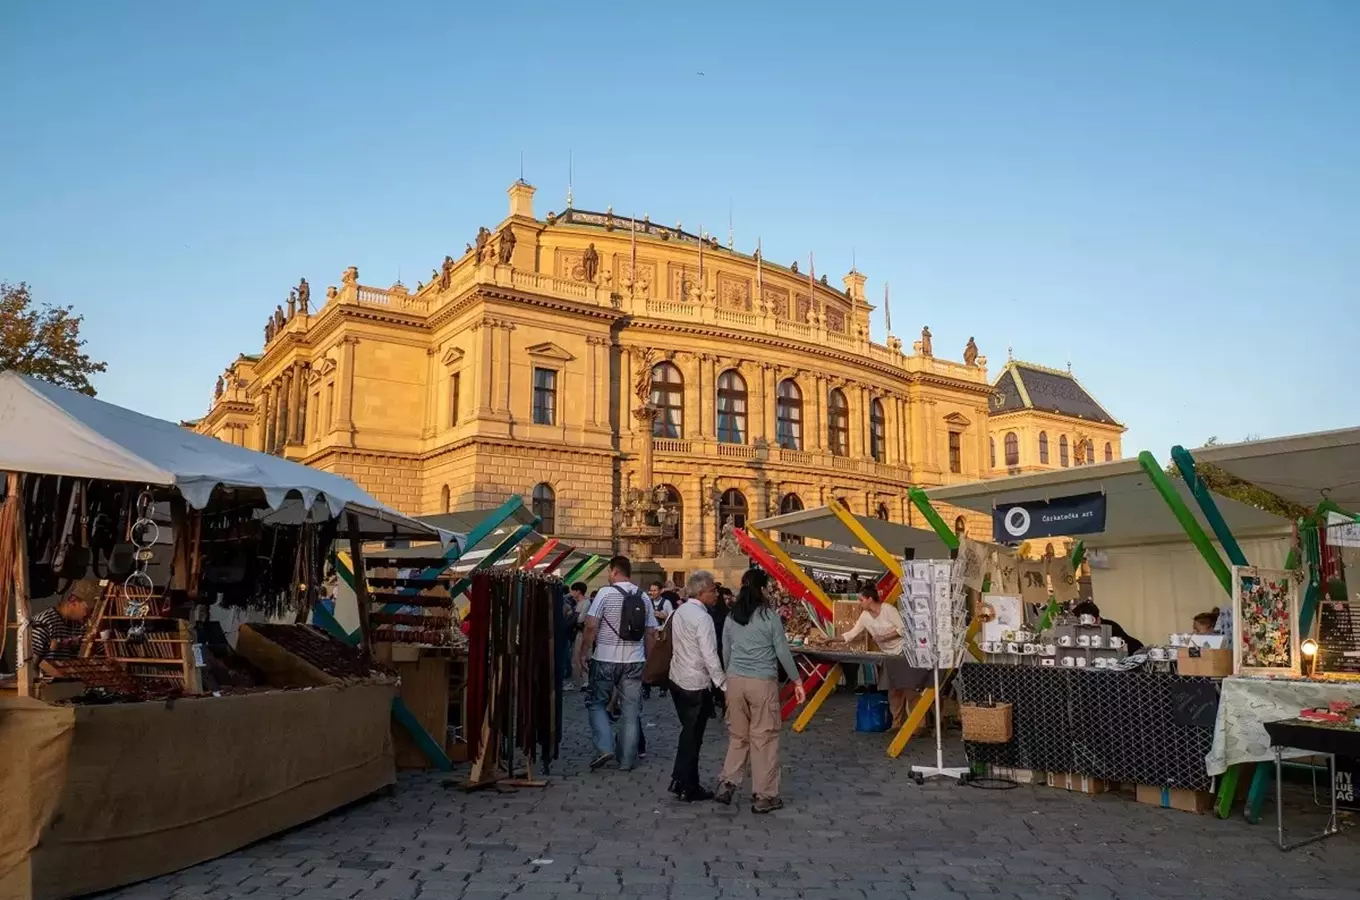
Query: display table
(1248, 703)
(1313, 738)
(831, 663)
(1134, 727)
(99, 796)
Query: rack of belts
(513, 699)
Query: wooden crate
(1077, 783)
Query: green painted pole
(1078, 554)
(922, 502)
(1186, 518)
(576, 570)
(497, 553)
(1185, 464)
(595, 567)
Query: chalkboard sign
(1194, 704)
(1339, 638)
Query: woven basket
(986, 724)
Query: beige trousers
(753, 725)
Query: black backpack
(632, 617)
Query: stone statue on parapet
(304, 295)
(590, 262)
(927, 348)
(507, 246)
(970, 353)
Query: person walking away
(884, 624)
(719, 613)
(754, 645)
(694, 669)
(621, 629)
(662, 608)
(580, 605)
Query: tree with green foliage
(44, 341)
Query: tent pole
(1185, 464)
(1186, 519)
(876, 549)
(574, 574)
(768, 553)
(507, 544)
(922, 502)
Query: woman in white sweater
(884, 624)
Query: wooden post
(356, 552)
(23, 647)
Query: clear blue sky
(1167, 194)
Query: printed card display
(1265, 622)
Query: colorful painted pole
(922, 502)
(1185, 464)
(1192, 529)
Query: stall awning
(54, 431)
(1135, 512)
(821, 524)
(1302, 468)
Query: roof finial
(521, 167)
(1069, 367)
(1010, 357)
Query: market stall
(131, 724)
(1085, 698)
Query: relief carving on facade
(684, 284)
(568, 265)
(835, 320)
(734, 293)
(777, 300)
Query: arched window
(1109, 452)
(960, 526)
(789, 416)
(1012, 449)
(877, 430)
(991, 449)
(1062, 451)
(845, 504)
(1043, 447)
(732, 506)
(731, 408)
(668, 396)
(444, 503)
(881, 512)
(545, 507)
(673, 545)
(838, 423)
(790, 503)
(1090, 452)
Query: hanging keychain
(138, 588)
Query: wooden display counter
(433, 681)
(93, 797)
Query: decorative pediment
(549, 350)
(957, 419)
(452, 356)
(320, 369)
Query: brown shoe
(766, 804)
(724, 794)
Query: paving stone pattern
(855, 828)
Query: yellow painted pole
(793, 568)
(878, 551)
(828, 688)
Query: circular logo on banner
(1016, 521)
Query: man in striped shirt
(56, 633)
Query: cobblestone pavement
(855, 828)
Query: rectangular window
(454, 384)
(956, 452)
(330, 405)
(545, 397)
(313, 411)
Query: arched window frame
(878, 431)
(838, 423)
(668, 396)
(544, 505)
(732, 504)
(1109, 452)
(674, 545)
(732, 408)
(1043, 448)
(1012, 449)
(1063, 458)
(789, 415)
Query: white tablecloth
(1247, 703)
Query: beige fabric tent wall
(1156, 581)
(1156, 590)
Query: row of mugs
(1090, 640)
(1161, 654)
(1017, 647)
(1079, 662)
(1019, 637)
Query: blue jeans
(605, 678)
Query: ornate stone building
(517, 367)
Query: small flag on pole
(632, 251)
(760, 284)
(701, 261)
(887, 311)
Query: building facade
(520, 367)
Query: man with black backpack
(621, 627)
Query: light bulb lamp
(1309, 649)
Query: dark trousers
(694, 708)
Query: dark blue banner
(1079, 514)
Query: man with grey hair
(695, 668)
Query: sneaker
(601, 760)
(766, 804)
(724, 794)
(696, 794)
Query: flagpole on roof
(887, 311)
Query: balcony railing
(736, 451)
(670, 445)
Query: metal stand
(1331, 827)
(921, 773)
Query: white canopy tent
(1147, 575)
(50, 430)
(821, 524)
(1301, 468)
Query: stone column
(592, 379)
(626, 364)
(344, 378)
(854, 396)
(485, 373)
(814, 421)
(984, 455)
(710, 369)
(433, 386)
(696, 392)
(504, 331)
(768, 400)
(916, 443)
(266, 418)
(295, 404)
(932, 436)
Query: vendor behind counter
(57, 632)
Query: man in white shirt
(616, 665)
(695, 668)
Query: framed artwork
(1265, 622)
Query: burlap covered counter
(92, 797)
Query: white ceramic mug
(1050, 650)
(1157, 654)
(1028, 650)
(1047, 662)
(1081, 662)
(1101, 662)
(1068, 662)
(1084, 640)
(1087, 619)
(1097, 640)
(1116, 642)
(1065, 640)
(1012, 647)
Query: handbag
(656, 671)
